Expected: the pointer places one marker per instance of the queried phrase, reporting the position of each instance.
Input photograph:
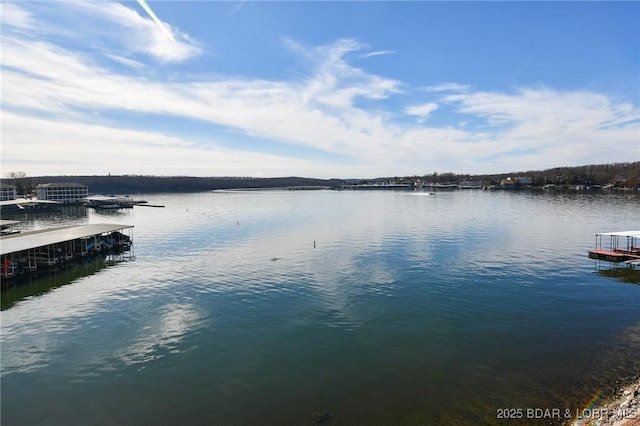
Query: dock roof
(33, 239)
(26, 201)
(100, 198)
(632, 234)
(61, 185)
(4, 222)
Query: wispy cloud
(61, 100)
(447, 87)
(125, 61)
(547, 108)
(575, 126)
(15, 17)
(93, 148)
(378, 53)
(422, 110)
(138, 34)
(102, 24)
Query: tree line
(131, 184)
(618, 174)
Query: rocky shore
(621, 409)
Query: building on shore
(8, 192)
(524, 180)
(67, 193)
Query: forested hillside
(127, 184)
(618, 174)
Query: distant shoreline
(617, 176)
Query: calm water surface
(410, 309)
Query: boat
(102, 202)
(446, 186)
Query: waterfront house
(524, 180)
(508, 183)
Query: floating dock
(622, 246)
(27, 252)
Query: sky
(327, 89)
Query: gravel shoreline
(621, 409)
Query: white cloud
(316, 113)
(547, 127)
(447, 87)
(422, 110)
(378, 53)
(125, 61)
(139, 33)
(101, 24)
(11, 15)
(94, 149)
(51, 93)
(336, 83)
(554, 114)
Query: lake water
(379, 308)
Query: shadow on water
(627, 275)
(26, 286)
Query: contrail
(146, 7)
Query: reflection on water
(161, 335)
(625, 274)
(380, 308)
(66, 216)
(31, 285)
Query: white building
(62, 192)
(524, 180)
(7, 192)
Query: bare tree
(20, 180)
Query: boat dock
(5, 226)
(375, 186)
(622, 246)
(28, 252)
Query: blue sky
(317, 89)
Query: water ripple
(357, 303)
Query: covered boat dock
(25, 206)
(33, 250)
(622, 246)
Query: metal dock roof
(33, 239)
(26, 201)
(632, 234)
(4, 222)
